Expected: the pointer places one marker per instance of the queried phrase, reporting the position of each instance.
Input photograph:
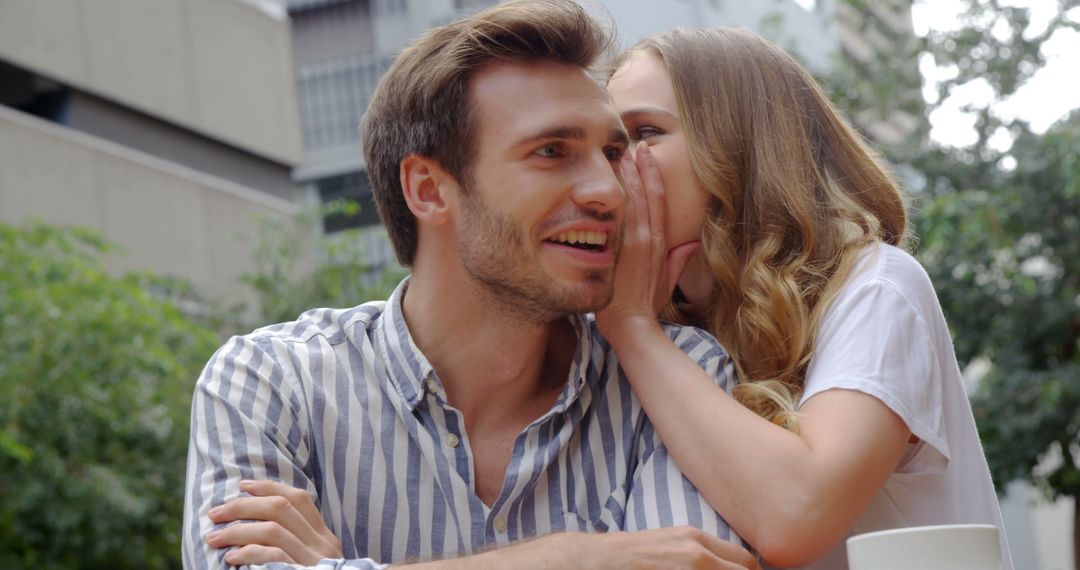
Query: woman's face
(645, 100)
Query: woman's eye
(643, 133)
(549, 151)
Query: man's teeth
(587, 237)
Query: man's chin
(588, 296)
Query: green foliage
(286, 285)
(95, 388)
(96, 381)
(998, 234)
(1007, 263)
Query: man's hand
(290, 528)
(681, 547)
(677, 548)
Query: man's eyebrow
(571, 133)
(617, 136)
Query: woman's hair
(796, 193)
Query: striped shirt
(341, 403)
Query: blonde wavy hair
(796, 194)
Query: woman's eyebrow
(643, 111)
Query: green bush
(96, 378)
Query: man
(476, 407)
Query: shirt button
(452, 440)
(500, 524)
(432, 386)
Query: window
(355, 187)
(33, 94)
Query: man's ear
(425, 185)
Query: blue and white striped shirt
(343, 404)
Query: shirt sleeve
(660, 495)
(247, 422)
(875, 339)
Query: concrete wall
(1040, 532)
(105, 119)
(332, 31)
(168, 218)
(220, 67)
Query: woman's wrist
(624, 333)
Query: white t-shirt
(885, 335)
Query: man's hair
(421, 106)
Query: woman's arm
(791, 496)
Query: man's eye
(643, 133)
(549, 151)
(614, 153)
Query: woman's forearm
(777, 489)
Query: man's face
(540, 220)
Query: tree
(1007, 263)
(95, 389)
(998, 222)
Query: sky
(1048, 96)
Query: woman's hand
(646, 273)
(290, 528)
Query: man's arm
(248, 421)
(271, 543)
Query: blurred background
(173, 172)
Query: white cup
(947, 547)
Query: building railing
(333, 97)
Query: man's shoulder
(333, 325)
(698, 344)
(316, 333)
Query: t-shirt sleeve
(875, 339)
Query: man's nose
(599, 189)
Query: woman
(850, 415)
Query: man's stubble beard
(493, 254)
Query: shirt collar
(411, 374)
(406, 366)
(586, 359)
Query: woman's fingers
(635, 199)
(653, 188)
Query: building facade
(170, 126)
